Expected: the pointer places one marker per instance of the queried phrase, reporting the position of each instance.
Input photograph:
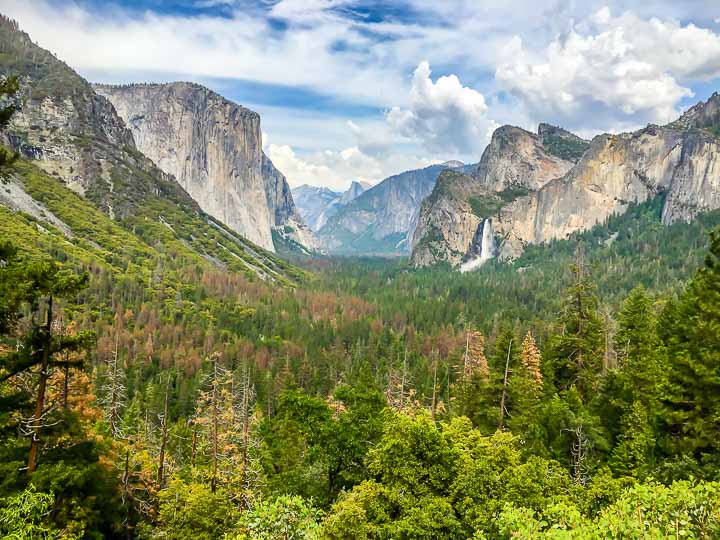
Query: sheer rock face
(212, 147)
(515, 159)
(286, 218)
(73, 133)
(616, 171)
(447, 223)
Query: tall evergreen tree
(578, 350)
(692, 412)
(9, 86)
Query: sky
(363, 89)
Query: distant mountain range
(376, 221)
(317, 204)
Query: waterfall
(487, 248)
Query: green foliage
(287, 518)
(191, 510)
(681, 510)
(577, 350)
(22, 516)
(486, 206)
(565, 147)
(693, 339)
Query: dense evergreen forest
(146, 392)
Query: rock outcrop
(383, 219)
(213, 147)
(680, 160)
(514, 164)
(287, 222)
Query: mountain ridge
(382, 219)
(681, 158)
(213, 147)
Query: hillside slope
(75, 136)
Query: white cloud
(445, 116)
(336, 169)
(244, 46)
(612, 73)
(577, 64)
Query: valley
(196, 344)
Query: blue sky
(362, 89)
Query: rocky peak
(381, 220)
(453, 164)
(680, 160)
(516, 157)
(353, 192)
(704, 115)
(561, 142)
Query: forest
(571, 394)
(148, 392)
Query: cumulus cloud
(444, 115)
(336, 169)
(612, 72)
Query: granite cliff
(80, 142)
(680, 160)
(213, 147)
(515, 163)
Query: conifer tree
(692, 412)
(578, 350)
(9, 87)
(526, 390)
(41, 349)
(531, 359)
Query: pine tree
(531, 360)
(578, 350)
(474, 361)
(692, 413)
(476, 395)
(9, 86)
(42, 349)
(526, 391)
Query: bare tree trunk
(42, 386)
(126, 493)
(403, 381)
(504, 389)
(194, 446)
(163, 438)
(245, 426)
(114, 389)
(215, 412)
(434, 390)
(66, 383)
